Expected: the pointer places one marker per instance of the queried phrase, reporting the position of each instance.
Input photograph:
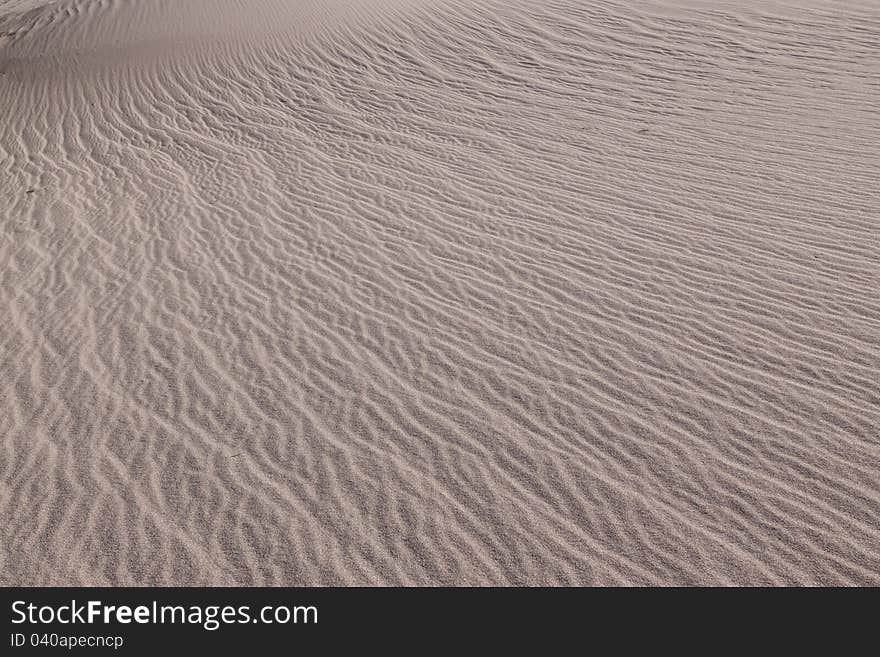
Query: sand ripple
(433, 293)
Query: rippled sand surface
(460, 292)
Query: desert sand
(397, 292)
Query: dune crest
(464, 293)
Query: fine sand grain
(460, 292)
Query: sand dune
(463, 292)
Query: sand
(397, 292)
